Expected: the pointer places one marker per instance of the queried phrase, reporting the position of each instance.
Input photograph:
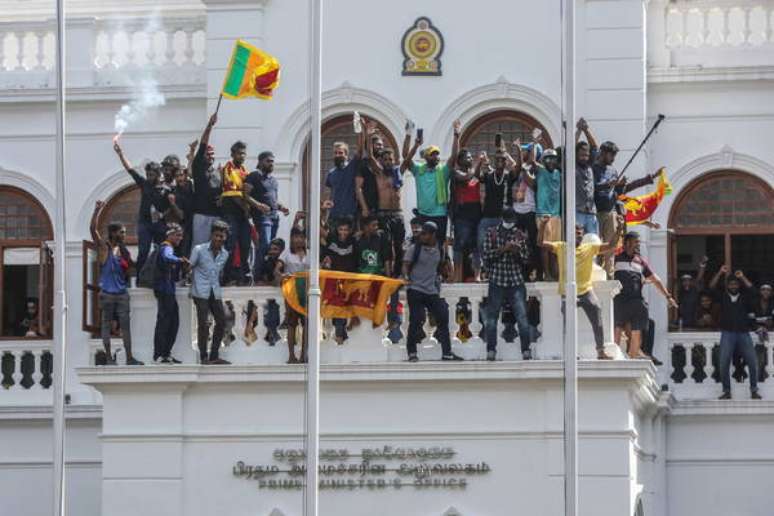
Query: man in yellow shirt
(586, 249)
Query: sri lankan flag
(641, 208)
(344, 294)
(251, 73)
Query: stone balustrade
(25, 371)
(365, 343)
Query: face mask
(508, 225)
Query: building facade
(707, 65)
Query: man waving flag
(251, 73)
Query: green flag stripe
(237, 72)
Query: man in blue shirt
(168, 313)
(114, 261)
(263, 187)
(340, 183)
(207, 262)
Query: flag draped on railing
(251, 73)
(641, 208)
(344, 294)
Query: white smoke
(145, 93)
(145, 97)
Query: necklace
(502, 179)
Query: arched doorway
(26, 281)
(728, 216)
(480, 134)
(338, 129)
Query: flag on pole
(344, 294)
(641, 208)
(251, 73)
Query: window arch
(339, 129)
(26, 273)
(727, 215)
(122, 208)
(480, 134)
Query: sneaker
(110, 361)
(413, 357)
(204, 360)
(755, 396)
(491, 356)
(218, 361)
(601, 355)
(656, 361)
(452, 357)
(134, 361)
(173, 360)
(160, 360)
(526, 354)
(725, 396)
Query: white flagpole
(313, 306)
(59, 320)
(570, 322)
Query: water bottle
(357, 123)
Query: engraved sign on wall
(381, 468)
(422, 46)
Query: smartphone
(420, 133)
(498, 140)
(536, 133)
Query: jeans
(167, 324)
(589, 303)
(465, 239)
(732, 342)
(588, 221)
(526, 222)
(239, 234)
(267, 231)
(418, 303)
(483, 226)
(340, 326)
(205, 307)
(115, 305)
(495, 298)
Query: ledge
(737, 407)
(44, 412)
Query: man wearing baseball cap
(423, 266)
(432, 181)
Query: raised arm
(583, 127)
(456, 126)
(702, 270)
(406, 141)
(724, 269)
(102, 251)
(408, 160)
(124, 162)
(205, 139)
(741, 277)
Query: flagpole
(60, 299)
(313, 220)
(570, 322)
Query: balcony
(112, 53)
(25, 372)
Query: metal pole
(60, 299)
(570, 322)
(313, 306)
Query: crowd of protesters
(500, 216)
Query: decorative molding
(31, 186)
(292, 138)
(693, 74)
(725, 158)
(502, 94)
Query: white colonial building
(411, 439)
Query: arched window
(480, 134)
(122, 208)
(727, 216)
(339, 129)
(26, 281)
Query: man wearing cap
(207, 187)
(548, 208)
(504, 253)
(587, 247)
(688, 297)
(423, 266)
(432, 181)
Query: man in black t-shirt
(208, 185)
(631, 310)
(339, 254)
(373, 249)
(495, 191)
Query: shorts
(465, 235)
(633, 312)
(549, 228)
(292, 317)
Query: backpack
(415, 258)
(150, 270)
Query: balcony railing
(694, 367)
(110, 52)
(365, 343)
(25, 371)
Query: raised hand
(213, 120)
(457, 125)
(704, 261)
(739, 274)
(725, 269)
(327, 205)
